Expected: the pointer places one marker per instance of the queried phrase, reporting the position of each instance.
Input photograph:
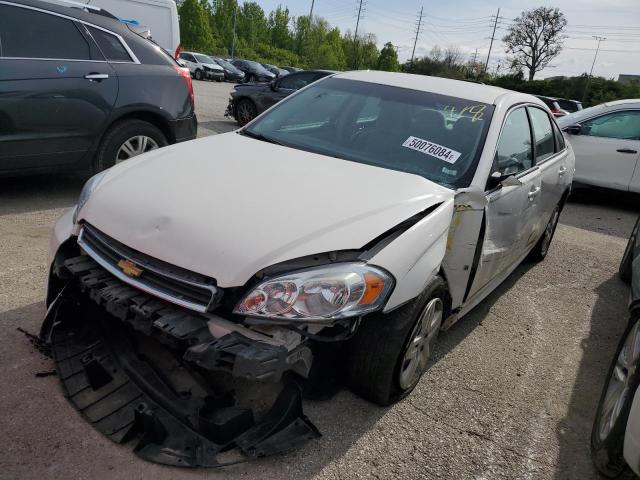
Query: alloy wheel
(135, 146)
(421, 343)
(618, 388)
(245, 113)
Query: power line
(417, 35)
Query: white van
(160, 16)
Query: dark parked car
(231, 73)
(277, 71)
(80, 90)
(292, 69)
(248, 101)
(253, 71)
(554, 106)
(615, 437)
(569, 105)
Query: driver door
(513, 208)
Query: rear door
(287, 85)
(551, 158)
(513, 209)
(607, 149)
(56, 89)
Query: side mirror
(573, 129)
(506, 179)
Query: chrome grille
(174, 284)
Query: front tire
(609, 426)
(245, 111)
(198, 75)
(389, 353)
(127, 139)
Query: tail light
(184, 73)
(178, 51)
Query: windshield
(202, 58)
(255, 65)
(225, 64)
(435, 136)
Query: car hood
(228, 206)
(213, 66)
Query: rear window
(26, 33)
(110, 45)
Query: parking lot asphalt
(511, 393)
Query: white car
(606, 141)
(339, 231)
(202, 66)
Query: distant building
(626, 78)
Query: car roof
(443, 86)
(70, 10)
(627, 101)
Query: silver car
(202, 66)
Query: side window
(30, 34)
(296, 81)
(110, 45)
(623, 125)
(543, 134)
(514, 153)
(560, 144)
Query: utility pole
(475, 56)
(586, 87)
(311, 12)
(495, 24)
(233, 40)
(415, 41)
(355, 36)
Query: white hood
(228, 206)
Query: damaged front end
(183, 388)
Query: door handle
(562, 171)
(96, 76)
(626, 150)
(533, 192)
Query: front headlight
(319, 294)
(86, 192)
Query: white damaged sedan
(206, 283)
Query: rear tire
(625, 269)
(541, 249)
(111, 149)
(245, 111)
(379, 367)
(609, 426)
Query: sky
(468, 24)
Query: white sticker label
(433, 149)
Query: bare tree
(452, 56)
(535, 38)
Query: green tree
(279, 32)
(252, 23)
(195, 30)
(388, 58)
(535, 38)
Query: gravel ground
(511, 394)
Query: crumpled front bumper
(181, 388)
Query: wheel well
(447, 300)
(153, 118)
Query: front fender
(414, 258)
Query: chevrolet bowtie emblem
(129, 268)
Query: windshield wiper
(259, 136)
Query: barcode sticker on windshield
(433, 149)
